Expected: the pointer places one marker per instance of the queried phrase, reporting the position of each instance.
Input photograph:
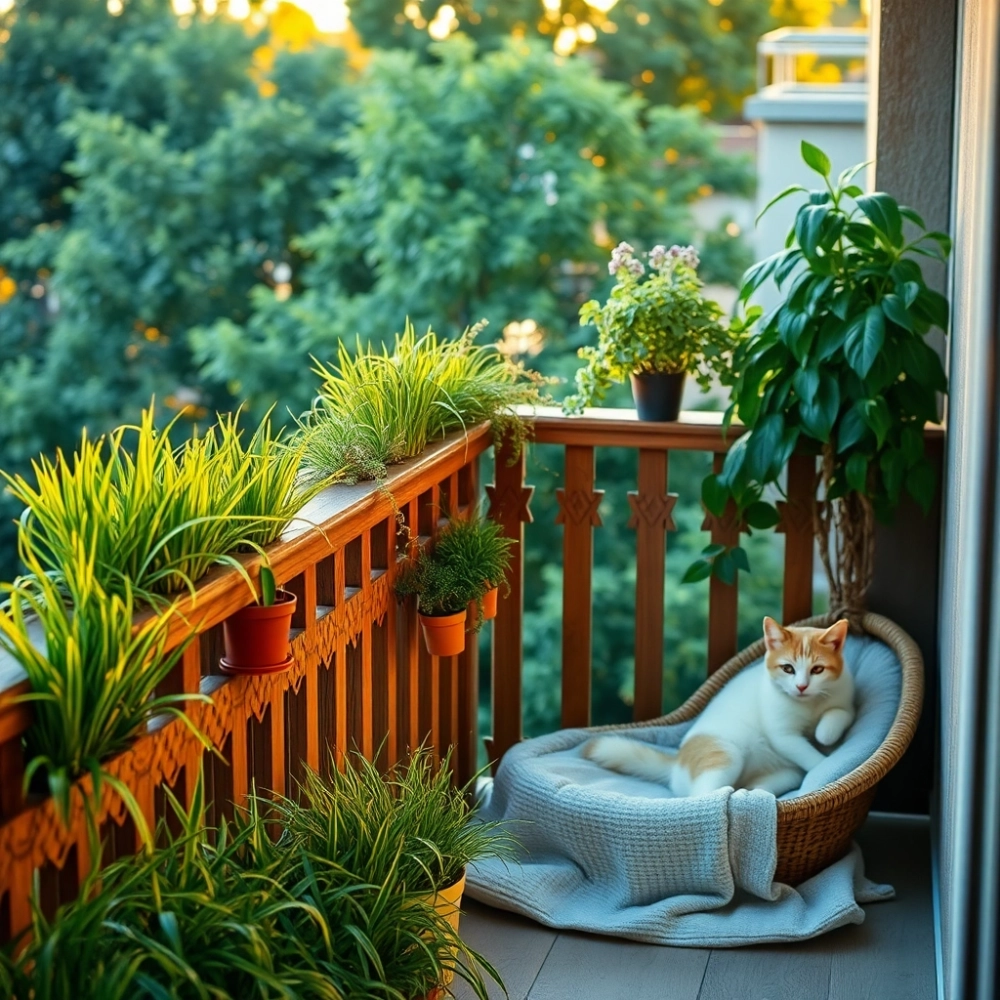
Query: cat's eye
(818, 669)
(788, 668)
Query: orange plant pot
(490, 604)
(444, 634)
(256, 637)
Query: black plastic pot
(657, 395)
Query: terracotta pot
(448, 903)
(490, 604)
(257, 637)
(444, 634)
(657, 395)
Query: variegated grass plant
(158, 517)
(413, 820)
(382, 405)
(226, 912)
(92, 676)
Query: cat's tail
(635, 757)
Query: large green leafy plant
(655, 321)
(840, 369)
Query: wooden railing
(361, 678)
(651, 507)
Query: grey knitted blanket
(612, 854)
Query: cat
(757, 731)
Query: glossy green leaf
(856, 471)
(761, 515)
(915, 218)
(819, 416)
(763, 444)
(805, 381)
(740, 559)
(895, 310)
(780, 196)
(852, 428)
(700, 569)
(714, 495)
(921, 362)
(865, 340)
(724, 568)
(878, 418)
(815, 159)
(883, 213)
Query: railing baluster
(578, 514)
(652, 518)
(509, 499)
(722, 597)
(340, 668)
(797, 527)
(468, 664)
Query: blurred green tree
(153, 176)
(699, 52)
(487, 187)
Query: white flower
(658, 256)
(687, 256)
(635, 266)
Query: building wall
(911, 124)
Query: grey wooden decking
(888, 957)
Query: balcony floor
(888, 957)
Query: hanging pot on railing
(658, 395)
(444, 634)
(256, 637)
(489, 603)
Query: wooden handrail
(651, 507)
(360, 678)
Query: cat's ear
(774, 634)
(835, 635)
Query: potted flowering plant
(655, 329)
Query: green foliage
(382, 406)
(479, 545)
(655, 322)
(671, 51)
(469, 557)
(841, 367)
(223, 913)
(479, 189)
(92, 678)
(155, 518)
(413, 822)
(148, 187)
(442, 588)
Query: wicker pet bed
(816, 829)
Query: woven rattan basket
(815, 829)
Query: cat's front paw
(832, 726)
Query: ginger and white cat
(757, 731)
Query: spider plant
(217, 913)
(93, 685)
(413, 820)
(159, 517)
(381, 406)
(188, 919)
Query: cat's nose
(802, 687)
